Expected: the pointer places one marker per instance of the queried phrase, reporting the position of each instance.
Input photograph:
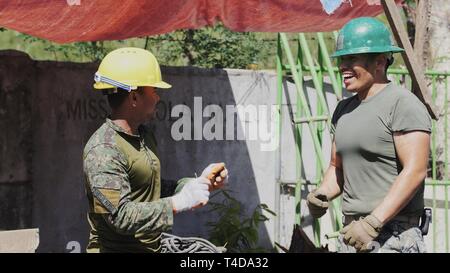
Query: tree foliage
(209, 47)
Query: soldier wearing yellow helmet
(380, 148)
(121, 167)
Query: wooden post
(419, 86)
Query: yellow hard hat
(128, 68)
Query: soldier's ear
(381, 61)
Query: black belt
(411, 220)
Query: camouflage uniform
(123, 185)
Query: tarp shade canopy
(65, 21)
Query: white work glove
(217, 174)
(194, 194)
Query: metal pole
(279, 128)
(433, 158)
(329, 66)
(301, 95)
(446, 174)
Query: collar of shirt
(117, 128)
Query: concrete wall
(48, 111)
(15, 142)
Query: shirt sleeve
(335, 118)
(410, 114)
(105, 169)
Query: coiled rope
(173, 244)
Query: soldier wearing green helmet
(380, 149)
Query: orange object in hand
(216, 173)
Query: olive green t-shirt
(363, 132)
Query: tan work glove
(217, 174)
(317, 203)
(360, 233)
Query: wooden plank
(19, 241)
(419, 86)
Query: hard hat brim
(363, 50)
(161, 84)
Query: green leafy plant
(237, 232)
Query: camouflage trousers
(395, 237)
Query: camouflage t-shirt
(123, 185)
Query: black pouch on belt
(425, 221)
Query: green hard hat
(364, 35)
